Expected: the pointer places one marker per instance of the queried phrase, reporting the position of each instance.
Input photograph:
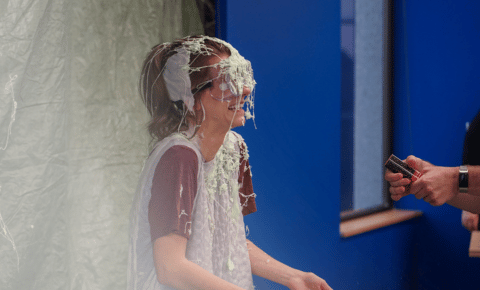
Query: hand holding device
(396, 165)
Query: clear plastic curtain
(72, 134)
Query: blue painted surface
(443, 45)
(295, 153)
(294, 47)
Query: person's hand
(399, 186)
(437, 185)
(308, 281)
(469, 220)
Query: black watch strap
(463, 179)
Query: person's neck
(211, 138)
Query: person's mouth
(235, 107)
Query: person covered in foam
(186, 224)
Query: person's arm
(473, 180)
(174, 270)
(265, 266)
(438, 185)
(466, 202)
(174, 187)
(469, 220)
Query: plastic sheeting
(68, 170)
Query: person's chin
(238, 118)
(238, 122)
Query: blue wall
(294, 47)
(437, 47)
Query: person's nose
(246, 91)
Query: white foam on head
(235, 73)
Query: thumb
(411, 161)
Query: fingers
(426, 198)
(404, 182)
(417, 163)
(405, 186)
(397, 180)
(420, 190)
(470, 220)
(396, 197)
(411, 161)
(400, 186)
(326, 287)
(421, 194)
(390, 176)
(323, 286)
(472, 224)
(469, 226)
(398, 192)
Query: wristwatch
(463, 179)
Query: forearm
(188, 275)
(474, 180)
(174, 270)
(468, 201)
(267, 267)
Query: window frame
(387, 117)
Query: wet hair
(167, 116)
